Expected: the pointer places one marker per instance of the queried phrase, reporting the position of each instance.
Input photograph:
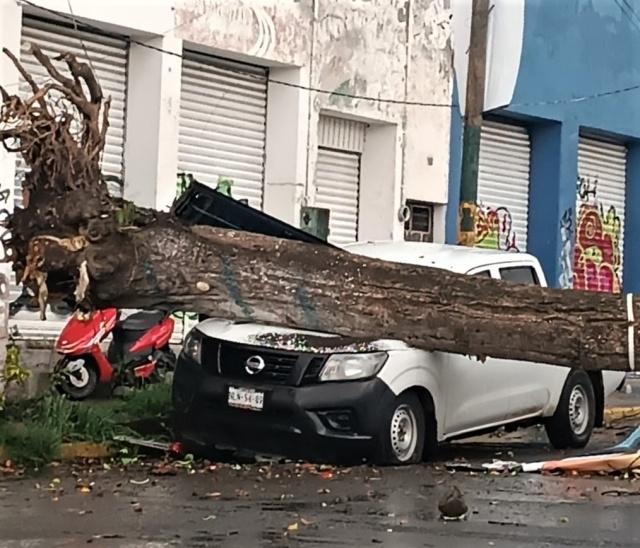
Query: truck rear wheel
(572, 423)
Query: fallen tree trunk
(74, 241)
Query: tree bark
(73, 241)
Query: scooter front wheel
(76, 377)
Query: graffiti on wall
(587, 188)
(494, 229)
(597, 256)
(565, 279)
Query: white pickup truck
(389, 403)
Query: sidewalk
(624, 404)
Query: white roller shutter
(503, 186)
(109, 60)
(600, 209)
(223, 110)
(337, 178)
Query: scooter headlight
(192, 347)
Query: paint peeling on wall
(271, 30)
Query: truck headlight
(347, 367)
(192, 347)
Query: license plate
(245, 398)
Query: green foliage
(184, 180)
(149, 402)
(13, 372)
(224, 186)
(126, 214)
(29, 444)
(31, 432)
(73, 421)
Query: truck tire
(402, 434)
(572, 423)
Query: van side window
(520, 274)
(482, 274)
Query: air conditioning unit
(419, 224)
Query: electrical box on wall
(418, 221)
(315, 220)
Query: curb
(75, 451)
(618, 413)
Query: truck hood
(299, 340)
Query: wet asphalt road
(301, 505)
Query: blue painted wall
(571, 49)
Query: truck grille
(313, 370)
(280, 367)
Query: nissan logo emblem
(254, 365)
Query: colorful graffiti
(587, 188)
(597, 256)
(565, 280)
(494, 229)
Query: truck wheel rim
(578, 410)
(404, 433)
(77, 373)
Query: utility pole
(474, 106)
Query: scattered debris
(148, 444)
(620, 493)
(139, 482)
(507, 523)
(453, 506)
(623, 457)
(164, 469)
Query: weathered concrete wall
(276, 31)
(384, 49)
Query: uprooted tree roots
(60, 132)
(74, 241)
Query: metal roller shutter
(337, 183)
(337, 178)
(503, 187)
(109, 59)
(599, 238)
(223, 112)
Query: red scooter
(139, 350)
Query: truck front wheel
(402, 433)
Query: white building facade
(339, 104)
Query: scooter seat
(141, 321)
